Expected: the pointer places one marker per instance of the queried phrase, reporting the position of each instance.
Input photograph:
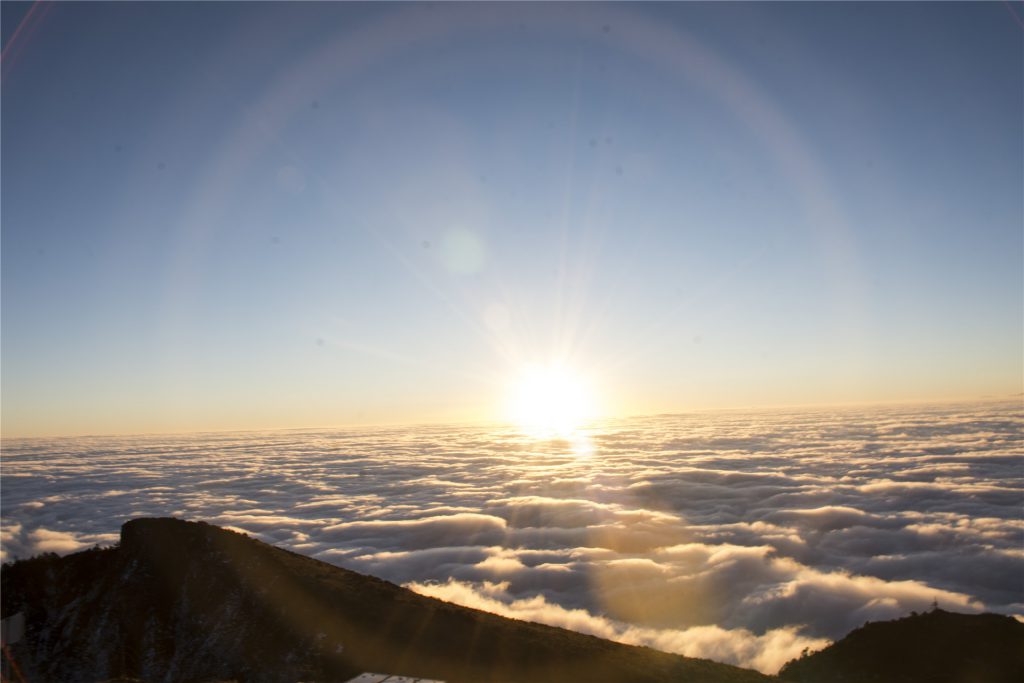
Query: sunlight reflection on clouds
(738, 536)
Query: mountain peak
(142, 529)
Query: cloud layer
(742, 537)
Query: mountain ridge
(189, 601)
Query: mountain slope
(187, 601)
(936, 647)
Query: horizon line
(770, 407)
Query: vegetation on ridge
(935, 647)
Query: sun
(550, 400)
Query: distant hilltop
(934, 647)
(189, 601)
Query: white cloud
(47, 541)
(740, 537)
(766, 652)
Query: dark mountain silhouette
(935, 647)
(188, 601)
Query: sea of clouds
(740, 537)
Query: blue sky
(271, 215)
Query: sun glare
(550, 400)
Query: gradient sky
(234, 216)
